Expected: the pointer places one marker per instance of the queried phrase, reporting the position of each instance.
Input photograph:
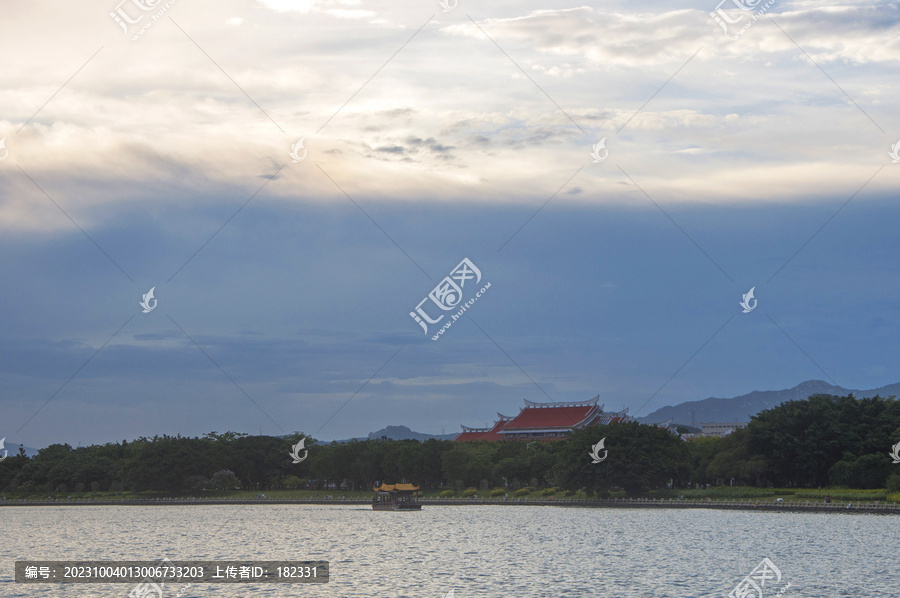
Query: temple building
(545, 421)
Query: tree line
(823, 441)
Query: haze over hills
(401, 433)
(404, 433)
(739, 409)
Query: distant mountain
(739, 409)
(13, 449)
(404, 433)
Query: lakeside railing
(743, 504)
(735, 504)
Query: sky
(292, 179)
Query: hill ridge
(742, 407)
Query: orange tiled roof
(561, 417)
(483, 433)
(535, 419)
(392, 487)
(541, 416)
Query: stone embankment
(808, 506)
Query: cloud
(603, 38)
(394, 149)
(449, 112)
(860, 32)
(302, 6)
(343, 13)
(329, 7)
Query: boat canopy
(395, 488)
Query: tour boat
(396, 497)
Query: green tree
(700, 453)
(224, 479)
(867, 471)
(292, 482)
(469, 461)
(640, 457)
(802, 440)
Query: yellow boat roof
(392, 487)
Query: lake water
(477, 551)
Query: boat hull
(397, 507)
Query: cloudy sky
(147, 144)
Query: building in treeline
(669, 427)
(545, 421)
(720, 429)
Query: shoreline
(618, 503)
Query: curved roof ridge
(467, 429)
(536, 405)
